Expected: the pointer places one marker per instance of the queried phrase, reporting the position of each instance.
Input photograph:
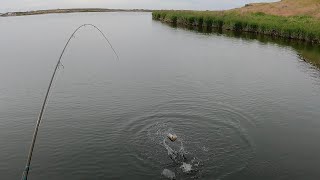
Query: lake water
(241, 108)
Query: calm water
(242, 108)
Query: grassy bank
(302, 27)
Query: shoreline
(75, 10)
(291, 19)
(303, 28)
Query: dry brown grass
(285, 8)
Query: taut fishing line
(26, 170)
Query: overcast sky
(23, 5)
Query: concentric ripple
(212, 138)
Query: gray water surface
(241, 108)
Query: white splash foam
(168, 174)
(186, 167)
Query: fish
(172, 137)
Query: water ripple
(212, 135)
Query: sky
(26, 5)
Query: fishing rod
(27, 168)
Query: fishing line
(27, 168)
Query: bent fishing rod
(27, 168)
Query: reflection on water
(242, 109)
(306, 51)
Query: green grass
(295, 27)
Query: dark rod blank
(26, 170)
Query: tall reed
(295, 27)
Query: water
(241, 108)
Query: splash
(186, 167)
(168, 174)
(184, 162)
(177, 156)
(213, 139)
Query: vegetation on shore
(51, 11)
(300, 26)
